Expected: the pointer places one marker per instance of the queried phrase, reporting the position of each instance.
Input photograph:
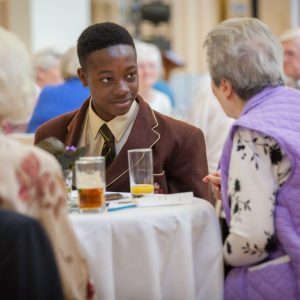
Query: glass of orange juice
(140, 164)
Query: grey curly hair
(245, 52)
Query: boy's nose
(122, 88)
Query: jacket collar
(75, 126)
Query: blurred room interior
(178, 27)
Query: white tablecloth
(167, 253)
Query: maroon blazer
(179, 155)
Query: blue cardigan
(56, 100)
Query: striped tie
(108, 149)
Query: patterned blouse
(31, 184)
(257, 168)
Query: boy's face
(112, 77)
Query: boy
(108, 62)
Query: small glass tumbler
(140, 165)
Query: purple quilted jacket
(275, 112)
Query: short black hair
(100, 36)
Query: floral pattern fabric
(31, 184)
(257, 168)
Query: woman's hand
(214, 179)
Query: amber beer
(90, 183)
(91, 198)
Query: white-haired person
(46, 63)
(290, 40)
(150, 68)
(17, 82)
(260, 164)
(31, 181)
(55, 100)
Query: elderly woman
(46, 63)
(150, 68)
(260, 172)
(17, 88)
(58, 99)
(290, 40)
(30, 179)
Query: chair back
(28, 268)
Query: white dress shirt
(120, 126)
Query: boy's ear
(82, 76)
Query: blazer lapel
(143, 135)
(76, 124)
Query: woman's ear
(82, 76)
(226, 88)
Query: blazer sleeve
(190, 166)
(56, 127)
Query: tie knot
(106, 134)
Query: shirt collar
(117, 125)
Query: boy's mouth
(122, 103)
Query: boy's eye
(106, 79)
(131, 75)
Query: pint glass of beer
(90, 183)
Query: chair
(27, 266)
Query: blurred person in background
(206, 113)
(290, 40)
(163, 86)
(150, 68)
(260, 164)
(31, 181)
(46, 63)
(17, 84)
(59, 99)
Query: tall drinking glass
(90, 183)
(140, 164)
